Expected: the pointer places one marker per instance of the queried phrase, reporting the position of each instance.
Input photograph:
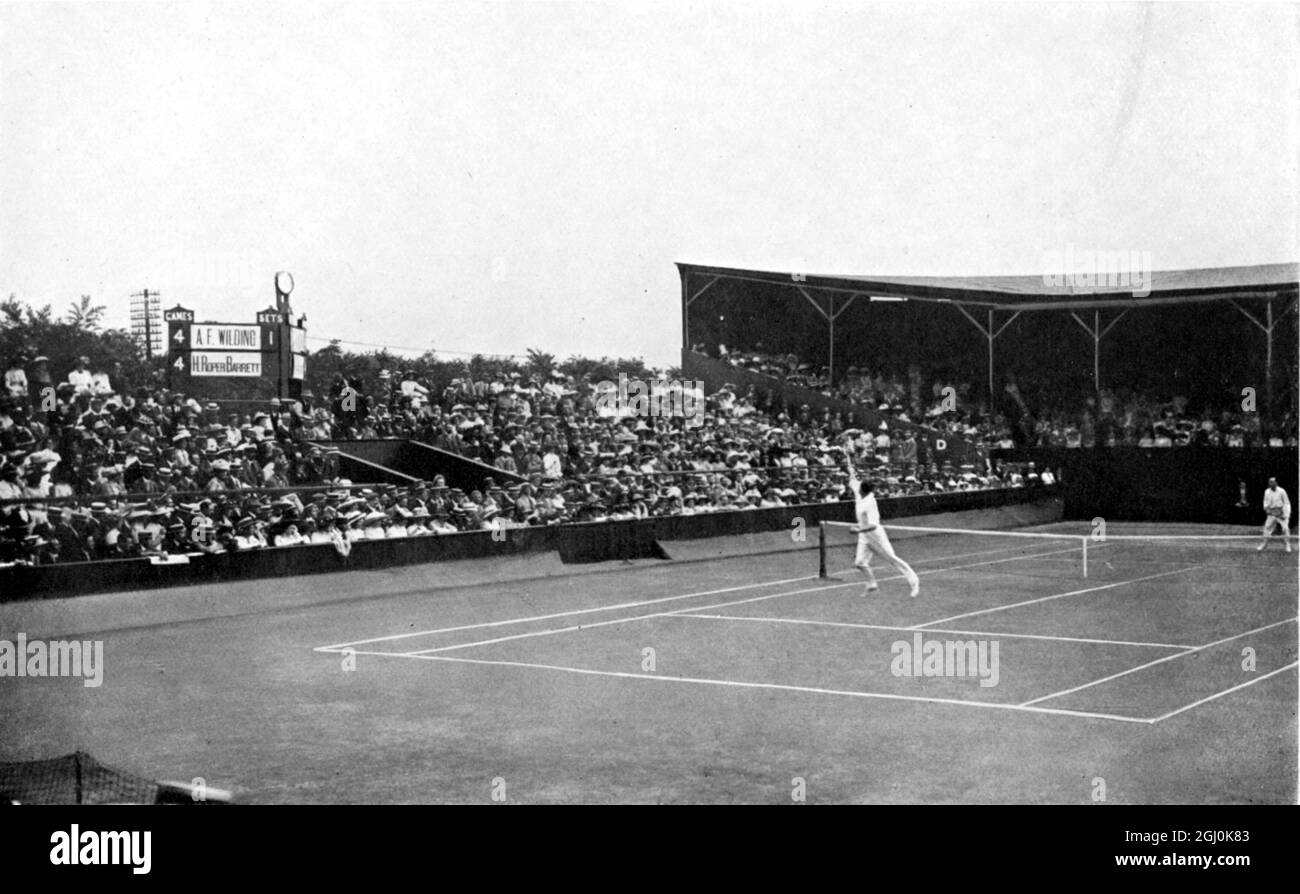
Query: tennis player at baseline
(871, 535)
(1277, 508)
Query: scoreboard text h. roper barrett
(208, 363)
(239, 361)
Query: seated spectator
(15, 379)
(80, 378)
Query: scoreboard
(237, 361)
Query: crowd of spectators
(1112, 418)
(111, 463)
(103, 474)
(1132, 419)
(93, 469)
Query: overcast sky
(496, 177)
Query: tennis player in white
(871, 535)
(1277, 506)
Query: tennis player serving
(871, 535)
(1277, 507)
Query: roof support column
(830, 315)
(990, 334)
(1097, 334)
(1267, 327)
(835, 314)
(830, 343)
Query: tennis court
(1168, 672)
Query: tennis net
(1062, 555)
(78, 778)
(72, 779)
(995, 551)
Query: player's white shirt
(1276, 498)
(868, 513)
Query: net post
(1085, 558)
(821, 549)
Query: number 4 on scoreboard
(180, 364)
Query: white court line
(1211, 698)
(603, 608)
(996, 633)
(1133, 670)
(788, 688)
(999, 608)
(859, 583)
(575, 627)
(339, 646)
(784, 687)
(1245, 538)
(1030, 706)
(579, 611)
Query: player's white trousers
(877, 542)
(1273, 522)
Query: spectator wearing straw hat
(110, 485)
(41, 383)
(221, 478)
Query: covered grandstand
(1241, 318)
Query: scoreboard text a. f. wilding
(244, 338)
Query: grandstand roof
(1032, 292)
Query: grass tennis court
(731, 680)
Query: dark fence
(418, 457)
(1175, 484)
(931, 446)
(398, 461)
(355, 468)
(575, 543)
